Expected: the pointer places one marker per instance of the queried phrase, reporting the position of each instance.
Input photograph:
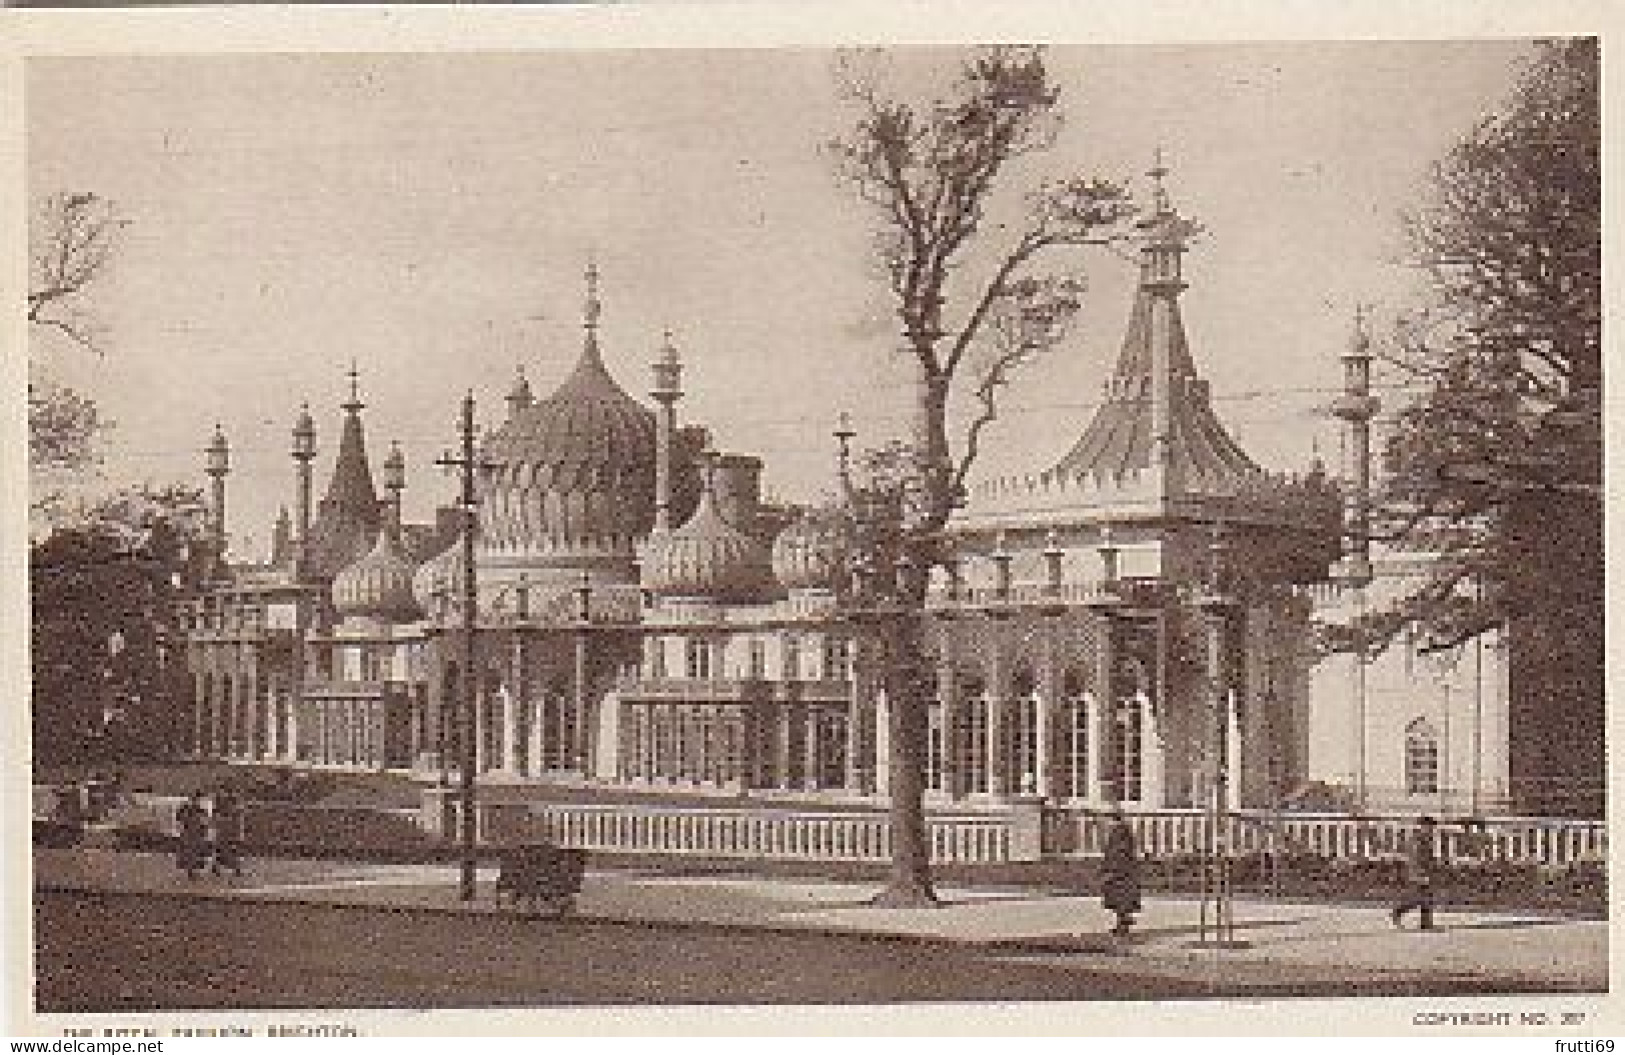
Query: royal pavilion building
(1133, 623)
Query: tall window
(1076, 708)
(1024, 732)
(758, 659)
(699, 658)
(1421, 758)
(973, 735)
(837, 658)
(657, 658)
(792, 657)
(936, 740)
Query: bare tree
(74, 236)
(929, 172)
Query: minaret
(304, 452)
(394, 484)
(1167, 236)
(1357, 406)
(217, 465)
(668, 372)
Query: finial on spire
(1360, 339)
(354, 404)
(595, 308)
(1158, 172)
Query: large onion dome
(437, 587)
(807, 554)
(573, 483)
(379, 584)
(706, 558)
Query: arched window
(1421, 758)
(972, 738)
(1023, 711)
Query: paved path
(1323, 942)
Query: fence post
(436, 813)
(1027, 828)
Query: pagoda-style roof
(1155, 451)
(349, 515)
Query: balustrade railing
(855, 835)
(741, 832)
(1524, 840)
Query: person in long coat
(1120, 873)
(1421, 864)
(192, 844)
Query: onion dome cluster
(378, 585)
(706, 558)
(807, 554)
(437, 586)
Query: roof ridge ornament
(353, 405)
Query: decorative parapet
(1308, 501)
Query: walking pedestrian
(228, 834)
(1421, 863)
(192, 844)
(1120, 872)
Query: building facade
(1134, 624)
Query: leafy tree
(1504, 444)
(929, 173)
(1495, 471)
(108, 671)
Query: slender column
(482, 699)
(1105, 750)
(510, 729)
(1232, 750)
(647, 731)
(533, 736)
(810, 748)
(580, 749)
(200, 710)
(1151, 788)
(1095, 732)
(782, 733)
(253, 712)
(1043, 740)
(272, 716)
(1000, 743)
(951, 780)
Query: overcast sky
(430, 216)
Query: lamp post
(1219, 605)
(467, 465)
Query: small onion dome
(379, 584)
(706, 557)
(806, 555)
(438, 584)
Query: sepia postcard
(839, 519)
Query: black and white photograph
(1073, 524)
